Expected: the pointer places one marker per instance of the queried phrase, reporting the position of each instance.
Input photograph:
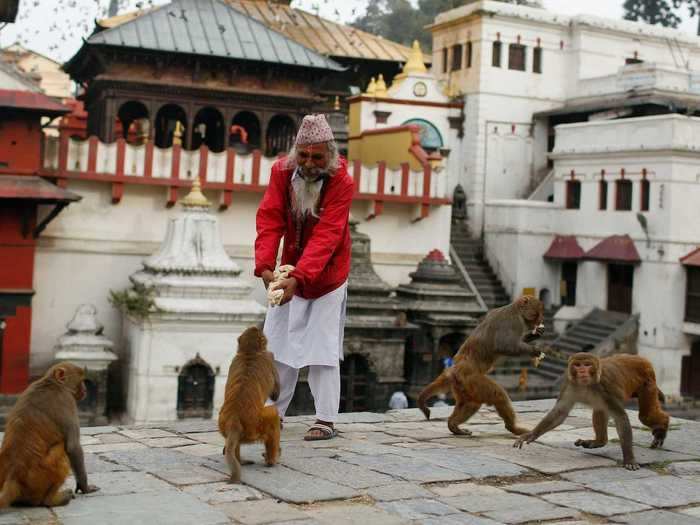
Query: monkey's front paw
(631, 465)
(589, 443)
(522, 439)
(87, 490)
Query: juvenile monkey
(42, 441)
(604, 385)
(505, 331)
(244, 418)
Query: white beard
(306, 196)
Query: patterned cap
(314, 129)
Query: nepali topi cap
(314, 129)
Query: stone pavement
(384, 468)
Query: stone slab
(684, 468)
(459, 519)
(146, 433)
(352, 514)
(93, 431)
(261, 512)
(357, 477)
(469, 489)
(167, 442)
(417, 509)
(210, 438)
(398, 490)
(602, 475)
(484, 501)
(217, 493)
(119, 483)
(540, 512)
(545, 459)
(292, 486)
(160, 508)
(594, 503)
(660, 491)
(200, 450)
(190, 475)
(406, 468)
(27, 516)
(112, 447)
(113, 437)
(475, 465)
(543, 487)
(151, 459)
(657, 517)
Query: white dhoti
(309, 332)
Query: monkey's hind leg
(271, 433)
(491, 393)
(465, 407)
(233, 443)
(652, 415)
(58, 498)
(440, 386)
(600, 425)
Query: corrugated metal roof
(616, 248)
(30, 101)
(210, 28)
(564, 248)
(33, 188)
(322, 35)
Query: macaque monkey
(42, 441)
(604, 385)
(505, 331)
(244, 418)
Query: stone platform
(383, 469)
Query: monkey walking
(505, 331)
(42, 441)
(604, 385)
(244, 418)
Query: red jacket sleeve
(270, 221)
(328, 233)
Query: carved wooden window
(644, 194)
(456, 57)
(195, 393)
(516, 57)
(356, 379)
(692, 297)
(444, 60)
(623, 195)
(603, 195)
(470, 52)
(537, 60)
(496, 54)
(573, 194)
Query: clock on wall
(420, 89)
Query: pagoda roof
(34, 188)
(312, 31)
(209, 28)
(564, 248)
(691, 259)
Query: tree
(399, 21)
(652, 12)
(693, 9)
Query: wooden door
(569, 271)
(690, 372)
(620, 285)
(354, 384)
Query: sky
(55, 28)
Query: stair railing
(465, 275)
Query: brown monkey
(505, 331)
(244, 418)
(604, 385)
(42, 441)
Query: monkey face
(584, 370)
(72, 377)
(252, 340)
(532, 311)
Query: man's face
(313, 160)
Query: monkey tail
(9, 493)
(441, 385)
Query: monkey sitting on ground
(604, 385)
(42, 441)
(244, 418)
(505, 331)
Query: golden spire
(177, 133)
(380, 90)
(372, 87)
(195, 198)
(415, 63)
(336, 104)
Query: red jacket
(323, 263)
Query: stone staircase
(471, 253)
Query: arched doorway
(195, 390)
(208, 129)
(356, 381)
(166, 119)
(430, 137)
(133, 122)
(281, 132)
(244, 132)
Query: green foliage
(661, 12)
(137, 302)
(399, 21)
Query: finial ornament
(195, 198)
(372, 87)
(380, 90)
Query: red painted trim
(257, 157)
(63, 152)
(427, 175)
(400, 101)
(118, 187)
(227, 197)
(356, 174)
(174, 176)
(405, 174)
(203, 155)
(381, 177)
(92, 153)
(148, 161)
(413, 128)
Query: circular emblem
(420, 89)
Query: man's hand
(289, 286)
(267, 277)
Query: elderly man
(308, 203)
